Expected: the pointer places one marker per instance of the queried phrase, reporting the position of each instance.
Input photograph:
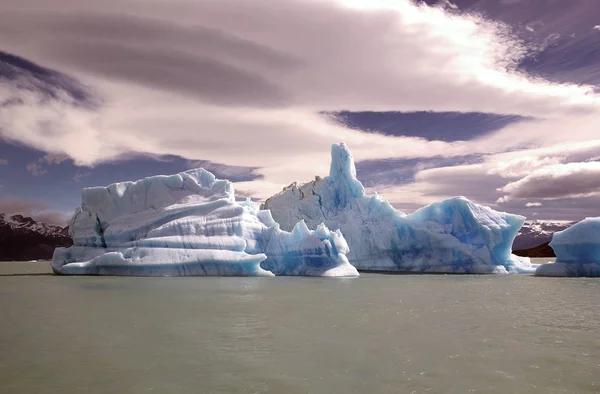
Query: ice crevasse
(190, 224)
(451, 236)
(577, 251)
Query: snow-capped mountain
(537, 232)
(23, 238)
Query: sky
(495, 100)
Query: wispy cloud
(79, 175)
(39, 167)
(36, 169)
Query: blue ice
(190, 224)
(451, 236)
(577, 251)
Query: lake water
(374, 334)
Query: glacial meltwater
(374, 334)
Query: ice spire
(342, 163)
(343, 174)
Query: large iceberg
(452, 236)
(191, 224)
(577, 251)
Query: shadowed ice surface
(374, 334)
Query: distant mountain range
(543, 250)
(537, 232)
(23, 238)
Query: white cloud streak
(533, 204)
(556, 181)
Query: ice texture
(190, 224)
(452, 236)
(577, 250)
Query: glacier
(451, 236)
(190, 224)
(577, 250)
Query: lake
(373, 334)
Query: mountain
(537, 232)
(23, 238)
(543, 250)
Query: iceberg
(452, 236)
(577, 250)
(190, 224)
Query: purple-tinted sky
(497, 100)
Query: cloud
(435, 184)
(522, 166)
(13, 206)
(38, 168)
(3, 162)
(232, 173)
(419, 56)
(51, 85)
(556, 181)
(484, 182)
(54, 158)
(37, 210)
(57, 218)
(247, 88)
(79, 175)
(448, 4)
(390, 172)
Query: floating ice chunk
(577, 251)
(452, 236)
(190, 224)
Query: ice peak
(343, 175)
(342, 163)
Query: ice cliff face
(190, 224)
(577, 251)
(452, 236)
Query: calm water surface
(374, 334)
